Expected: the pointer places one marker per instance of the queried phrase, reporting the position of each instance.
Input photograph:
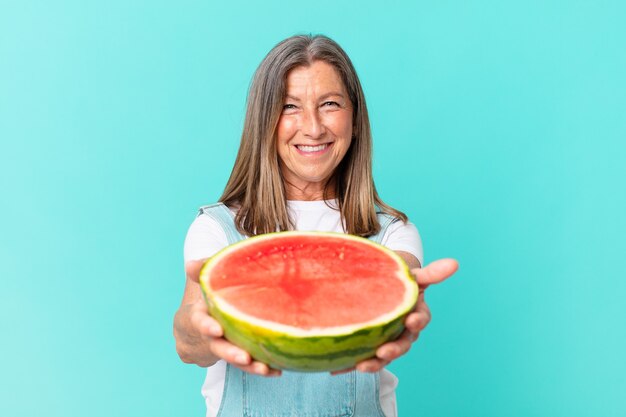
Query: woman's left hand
(415, 321)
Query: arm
(199, 337)
(193, 328)
(410, 259)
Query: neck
(311, 192)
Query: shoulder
(205, 235)
(404, 236)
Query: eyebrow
(324, 97)
(332, 93)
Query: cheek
(340, 122)
(285, 130)
(342, 125)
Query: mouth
(313, 149)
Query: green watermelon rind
(314, 352)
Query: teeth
(306, 148)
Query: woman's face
(314, 129)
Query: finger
(192, 269)
(371, 365)
(435, 272)
(259, 368)
(416, 321)
(230, 353)
(206, 325)
(240, 358)
(274, 372)
(343, 371)
(393, 350)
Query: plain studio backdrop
(499, 128)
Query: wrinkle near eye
(289, 108)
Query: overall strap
(385, 221)
(224, 217)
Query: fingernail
(389, 353)
(260, 368)
(366, 368)
(239, 357)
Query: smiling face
(314, 130)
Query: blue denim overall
(296, 394)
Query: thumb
(435, 272)
(192, 269)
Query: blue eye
(288, 107)
(331, 103)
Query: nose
(311, 124)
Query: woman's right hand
(200, 338)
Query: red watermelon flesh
(309, 282)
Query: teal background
(499, 127)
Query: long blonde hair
(256, 185)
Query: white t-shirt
(205, 237)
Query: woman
(304, 163)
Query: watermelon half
(308, 301)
